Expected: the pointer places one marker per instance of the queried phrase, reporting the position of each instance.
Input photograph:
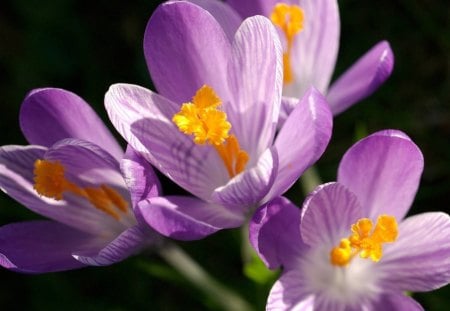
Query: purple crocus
(71, 174)
(350, 248)
(310, 31)
(212, 127)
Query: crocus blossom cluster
(243, 108)
(212, 127)
(70, 173)
(350, 248)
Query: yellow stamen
(50, 181)
(203, 119)
(290, 19)
(364, 241)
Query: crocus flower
(71, 174)
(310, 31)
(350, 248)
(212, 127)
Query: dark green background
(84, 46)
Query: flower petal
(383, 170)
(302, 140)
(139, 176)
(185, 48)
(363, 78)
(287, 106)
(128, 243)
(420, 259)
(396, 302)
(315, 49)
(144, 119)
(275, 233)
(41, 246)
(328, 214)
(224, 14)
(248, 8)
(290, 293)
(187, 218)
(255, 79)
(85, 162)
(248, 188)
(65, 115)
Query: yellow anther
(203, 119)
(233, 157)
(50, 181)
(364, 241)
(289, 18)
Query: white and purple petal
(420, 259)
(128, 243)
(315, 49)
(383, 170)
(396, 302)
(363, 78)
(185, 48)
(228, 18)
(255, 83)
(328, 214)
(139, 177)
(290, 292)
(274, 233)
(302, 140)
(249, 187)
(187, 218)
(48, 115)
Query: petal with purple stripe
(290, 292)
(249, 187)
(302, 140)
(128, 243)
(328, 214)
(224, 14)
(42, 246)
(420, 259)
(383, 170)
(315, 49)
(275, 233)
(363, 78)
(65, 115)
(187, 218)
(255, 79)
(185, 48)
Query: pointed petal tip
(363, 78)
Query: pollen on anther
(365, 241)
(49, 180)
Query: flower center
(364, 241)
(290, 19)
(50, 181)
(203, 119)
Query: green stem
(192, 271)
(310, 180)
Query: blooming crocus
(212, 127)
(350, 247)
(310, 30)
(70, 173)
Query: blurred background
(85, 46)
